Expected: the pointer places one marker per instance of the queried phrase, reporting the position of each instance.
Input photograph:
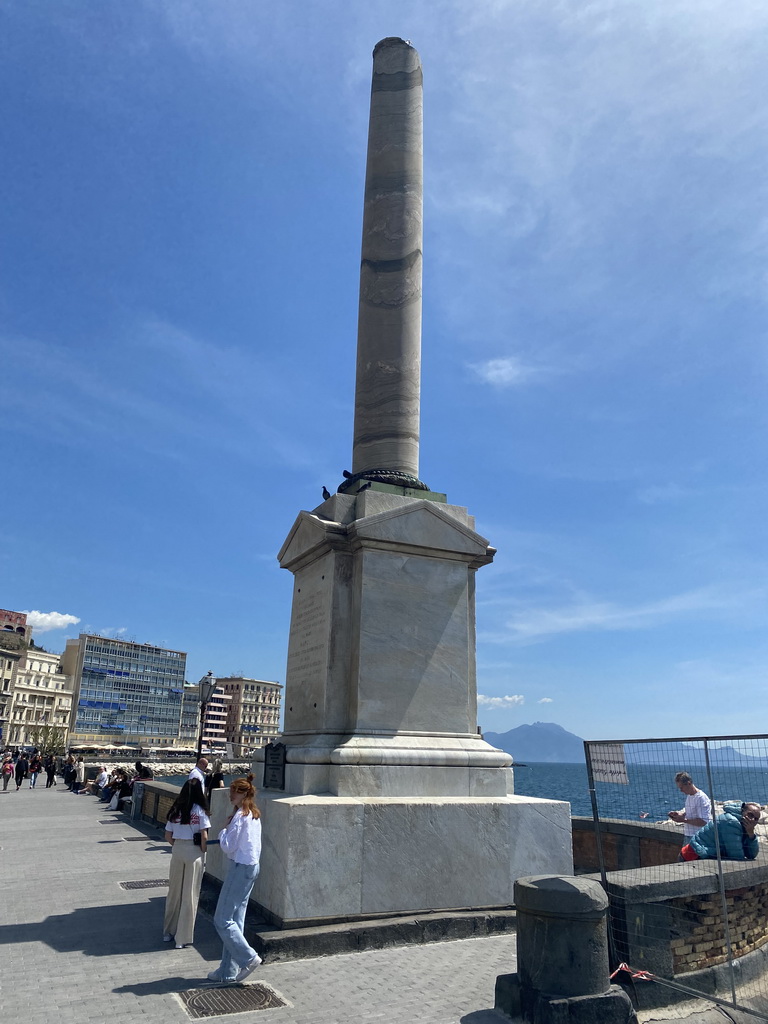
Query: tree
(49, 739)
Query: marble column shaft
(386, 431)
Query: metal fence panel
(682, 929)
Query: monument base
(329, 858)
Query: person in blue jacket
(736, 831)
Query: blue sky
(182, 204)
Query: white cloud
(544, 700)
(44, 622)
(502, 372)
(512, 701)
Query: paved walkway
(77, 948)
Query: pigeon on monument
(326, 494)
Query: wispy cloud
(45, 622)
(511, 701)
(532, 624)
(544, 700)
(663, 494)
(211, 397)
(112, 632)
(506, 372)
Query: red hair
(246, 786)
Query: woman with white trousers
(241, 842)
(187, 832)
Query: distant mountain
(542, 741)
(685, 755)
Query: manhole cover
(151, 883)
(213, 1002)
(110, 821)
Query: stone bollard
(563, 974)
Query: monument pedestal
(328, 859)
(393, 803)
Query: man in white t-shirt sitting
(96, 785)
(198, 772)
(698, 809)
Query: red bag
(688, 853)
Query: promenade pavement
(76, 948)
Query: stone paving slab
(75, 948)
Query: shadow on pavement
(115, 930)
(161, 987)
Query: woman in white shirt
(241, 842)
(187, 818)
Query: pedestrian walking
(22, 767)
(50, 771)
(7, 772)
(35, 764)
(241, 842)
(187, 832)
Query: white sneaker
(215, 976)
(249, 968)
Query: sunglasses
(751, 815)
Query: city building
(189, 728)
(253, 714)
(124, 692)
(41, 701)
(15, 635)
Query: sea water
(649, 793)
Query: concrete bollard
(563, 970)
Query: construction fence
(685, 928)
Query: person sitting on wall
(697, 811)
(121, 791)
(95, 786)
(735, 830)
(109, 788)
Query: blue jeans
(230, 918)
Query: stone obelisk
(386, 433)
(393, 802)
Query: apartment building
(253, 715)
(41, 699)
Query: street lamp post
(207, 687)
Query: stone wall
(667, 920)
(626, 844)
(698, 934)
(157, 801)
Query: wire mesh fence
(681, 836)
